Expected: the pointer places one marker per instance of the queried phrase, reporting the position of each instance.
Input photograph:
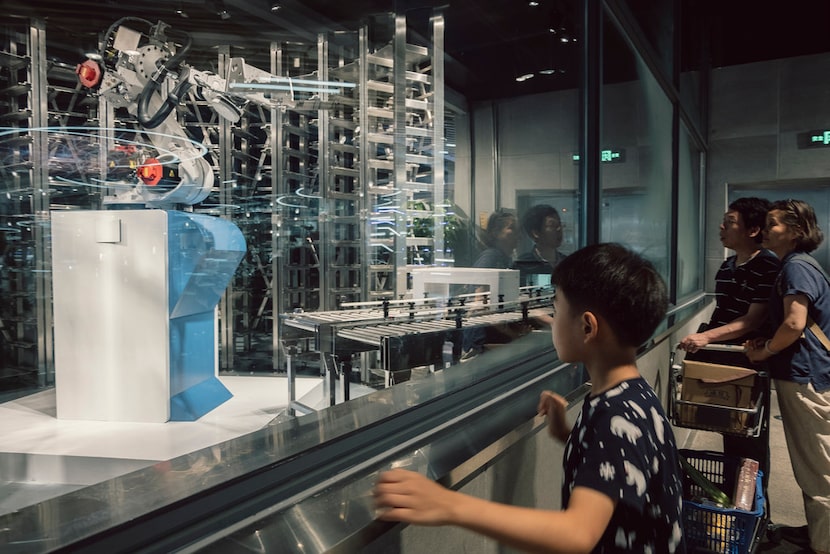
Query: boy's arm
(412, 498)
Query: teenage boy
(622, 489)
(743, 283)
(743, 286)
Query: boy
(622, 490)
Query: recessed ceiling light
(525, 77)
(533, 4)
(275, 7)
(547, 72)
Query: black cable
(154, 85)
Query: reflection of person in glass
(500, 238)
(544, 226)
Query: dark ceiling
(489, 42)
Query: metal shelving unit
(25, 301)
(337, 197)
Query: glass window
(656, 19)
(636, 154)
(689, 245)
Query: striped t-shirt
(738, 286)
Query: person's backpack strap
(811, 324)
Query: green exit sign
(814, 139)
(610, 156)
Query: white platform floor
(42, 457)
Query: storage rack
(322, 195)
(25, 305)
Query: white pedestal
(135, 295)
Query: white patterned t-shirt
(623, 446)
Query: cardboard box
(709, 391)
(723, 385)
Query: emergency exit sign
(814, 139)
(609, 156)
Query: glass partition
(357, 154)
(689, 243)
(636, 157)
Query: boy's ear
(590, 325)
(754, 231)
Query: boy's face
(565, 328)
(732, 229)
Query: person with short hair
(799, 359)
(743, 285)
(622, 490)
(544, 227)
(743, 282)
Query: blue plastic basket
(714, 529)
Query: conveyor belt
(410, 333)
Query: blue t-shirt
(806, 360)
(623, 447)
(493, 258)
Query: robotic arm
(146, 74)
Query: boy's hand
(402, 495)
(553, 406)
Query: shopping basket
(711, 528)
(744, 421)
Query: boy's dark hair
(534, 218)
(798, 213)
(753, 211)
(617, 284)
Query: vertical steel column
(363, 152)
(590, 122)
(226, 199)
(399, 146)
(439, 197)
(326, 252)
(41, 203)
(278, 267)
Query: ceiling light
(181, 13)
(533, 4)
(547, 72)
(525, 77)
(219, 9)
(275, 7)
